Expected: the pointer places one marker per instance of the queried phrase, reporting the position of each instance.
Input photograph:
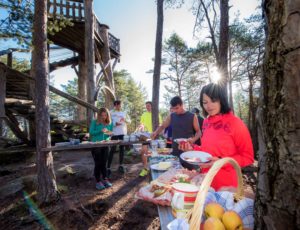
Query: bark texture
(90, 55)
(157, 63)
(47, 189)
(278, 190)
(224, 41)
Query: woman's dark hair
(117, 102)
(216, 93)
(176, 101)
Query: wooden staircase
(18, 102)
(61, 130)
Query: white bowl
(196, 157)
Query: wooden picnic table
(91, 145)
(164, 212)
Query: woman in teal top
(101, 129)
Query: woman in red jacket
(223, 135)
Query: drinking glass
(154, 145)
(162, 144)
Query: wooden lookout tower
(91, 43)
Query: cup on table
(154, 145)
(132, 138)
(162, 144)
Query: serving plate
(156, 167)
(195, 157)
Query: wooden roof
(73, 37)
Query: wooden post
(32, 132)
(80, 11)
(105, 54)
(9, 60)
(73, 11)
(54, 9)
(1, 126)
(89, 55)
(68, 9)
(61, 9)
(82, 94)
(2, 91)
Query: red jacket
(225, 135)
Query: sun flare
(215, 75)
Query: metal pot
(202, 157)
(188, 165)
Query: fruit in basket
(232, 221)
(214, 210)
(213, 223)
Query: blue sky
(134, 23)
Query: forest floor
(80, 205)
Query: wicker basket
(194, 216)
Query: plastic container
(184, 196)
(132, 138)
(126, 138)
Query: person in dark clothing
(200, 120)
(168, 135)
(183, 125)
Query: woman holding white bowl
(223, 135)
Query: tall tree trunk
(157, 64)
(251, 115)
(1, 127)
(230, 95)
(251, 103)
(224, 41)
(230, 78)
(277, 198)
(47, 189)
(90, 56)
